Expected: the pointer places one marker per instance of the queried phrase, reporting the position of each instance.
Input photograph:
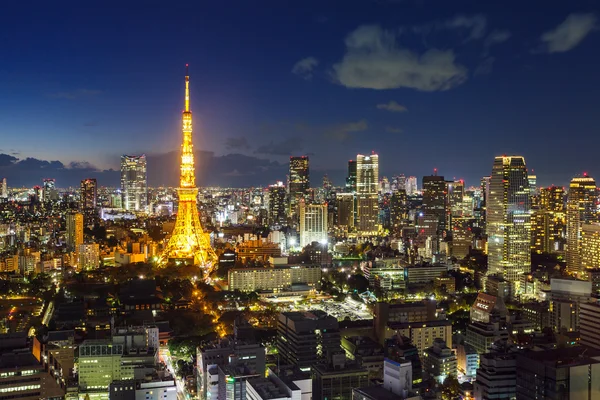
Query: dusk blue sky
(426, 84)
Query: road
(165, 356)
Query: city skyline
(483, 84)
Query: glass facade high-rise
(277, 214)
(509, 219)
(299, 180)
(134, 187)
(367, 173)
(367, 199)
(581, 208)
(435, 201)
(88, 194)
(351, 178)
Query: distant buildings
(435, 204)
(134, 183)
(509, 219)
(367, 200)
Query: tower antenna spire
(187, 88)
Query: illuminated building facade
(435, 204)
(4, 193)
(590, 246)
(548, 221)
(299, 181)
(277, 212)
(351, 179)
(509, 219)
(276, 278)
(88, 256)
(188, 243)
(313, 223)
(134, 187)
(367, 199)
(345, 210)
(581, 208)
(49, 193)
(411, 185)
(398, 210)
(88, 195)
(367, 173)
(74, 238)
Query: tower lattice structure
(188, 243)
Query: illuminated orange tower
(189, 243)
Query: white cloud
(568, 34)
(342, 131)
(476, 23)
(305, 67)
(497, 37)
(374, 60)
(392, 106)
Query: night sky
(426, 84)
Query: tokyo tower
(189, 244)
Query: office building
(423, 273)
(345, 211)
(435, 201)
(590, 247)
(439, 361)
(548, 221)
(22, 376)
(88, 256)
(74, 236)
(497, 376)
(221, 354)
(134, 186)
(411, 186)
(589, 324)
(565, 297)
(88, 195)
(482, 335)
(386, 313)
(558, 374)
(421, 334)
(467, 360)
(581, 209)
(398, 210)
(99, 364)
(277, 210)
(462, 238)
(336, 378)
(351, 178)
(367, 213)
(509, 220)
(299, 181)
(367, 173)
(304, 338)
(313, 223)
(276, 279)
(272, 388)
(49, 193)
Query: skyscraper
(548, 220)
(313, 223)
(88, 195)
(367, 199)
(345, 210)
(435, 203)
(188, 243)
(367, 173)
(299, 180)
(509, 219)
(581, 204)
(277, 214)
(74, 237)
(49, 193)
(351, 178)
(4, 189)
(411, 185)
(134, 188)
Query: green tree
(450, 388)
